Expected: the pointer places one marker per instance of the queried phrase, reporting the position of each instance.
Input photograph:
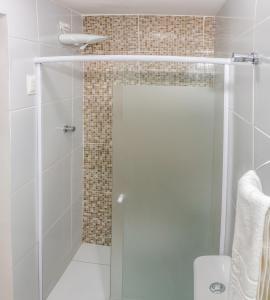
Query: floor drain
(217, 288)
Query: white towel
(264, 290)
(249, 234)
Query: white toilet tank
(211, 277)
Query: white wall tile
(262, 10)
(77, 136)
(262, 155)
(6, 284)
(77, 197)
(242, 145)
(56, 143)
(56, 191)
(22, 19)
(57, 85)
(244, 43)
(56, 78)
(233, 20)
(21, 64)
(233, 37)
(261, 101)
(234, 25)
(26, 277)
(77, 80)
(23, 221)
(261, 44)
(77, 174)
(77, 143)
(262, 147)
(76, 225)
(242, 87)
(235, 30)
(49, 16)
(3, 6)
(245, 36)
(76, 22)
(23, 147)
(262, 76)
(56, 248)
(244, 9)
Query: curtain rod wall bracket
(242, 58)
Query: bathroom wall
(5, 170)
(32, 31)
(62, 98)
(243, 26)
(152, 35)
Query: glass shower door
(166, 211)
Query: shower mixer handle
(68, 128)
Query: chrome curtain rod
(133, 58)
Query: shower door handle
(68, 128)
(121, 198)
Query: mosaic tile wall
(150, 35)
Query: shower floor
(87, 277)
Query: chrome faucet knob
(68, 128)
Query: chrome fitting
(68, 128)
(241, 58)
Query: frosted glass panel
(164, 144)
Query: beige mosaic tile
(161, 35)
(194, 36)
(209, 36)
(99, 25)
(125, 34)
(152, 35)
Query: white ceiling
(165, 7)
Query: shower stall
(169, 162)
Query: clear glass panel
(167, 159)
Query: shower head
(81, 40)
